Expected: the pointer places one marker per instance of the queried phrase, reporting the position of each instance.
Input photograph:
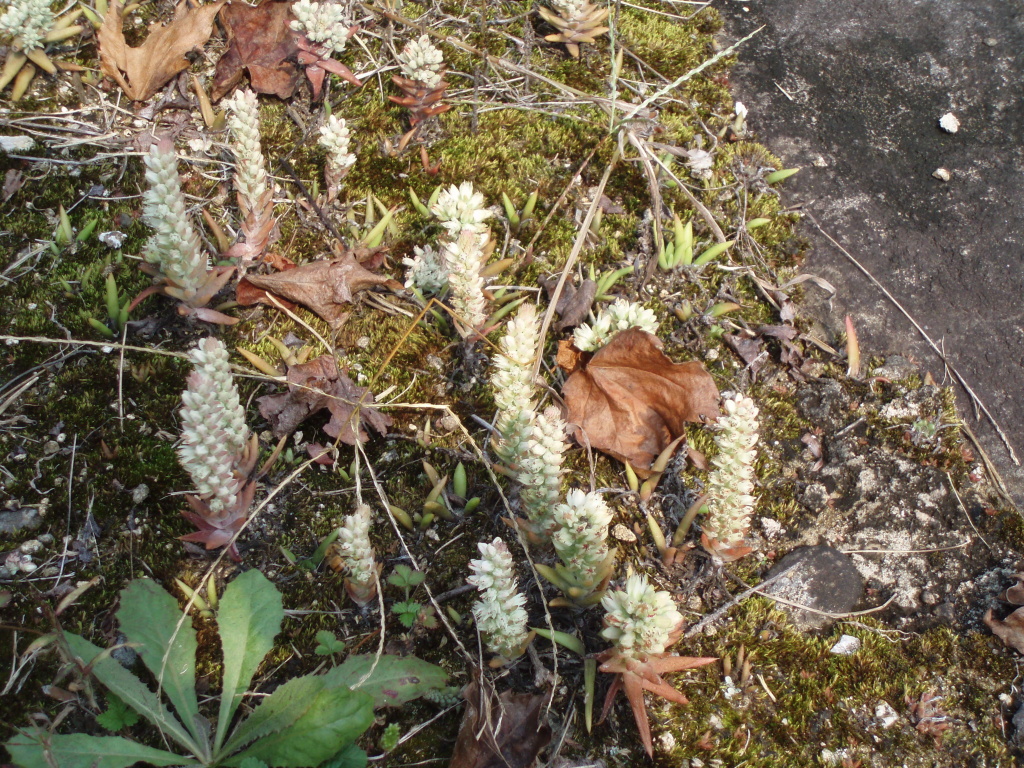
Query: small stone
(991, 42)
(949, 123)
(139, 493)
(363, 342)
(885, 714)
(847, 645)
(50, 447)
(622, 533)
(930, 598)
(819, 162)
(31, 546)
(942, 174)
(124, 655)
(26, 565)
(113, 239)
(46, 539)
(822, 578)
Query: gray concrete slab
(853, 91)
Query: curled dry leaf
(630, 401)
(261, 41)
(1011, 629)
(506, 731)
(574, 302)
(319, 384)
(142, 71)
(323, 286)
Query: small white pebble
(847, 645)
(622, 533)
(885, 714)
(949, 123)
(942, 174)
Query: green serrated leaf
(301, 724)
(149, 616)
(131, 690)
(249, 619)
(350, 756)
(37, 748)
(328, 643)
(391, 680)
(118, 715)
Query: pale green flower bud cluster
(324, 23)
(618, 317)
(250, 169)
(460, 208)
(28, 21)
(335, 137)
(421, 60)
(581, 535)
(213, 427)
(569, 9)
(512, 380)
(499, 612)
(540, 466)
(640, 619)
(355, 548)
(731, 483)
(426, 273)
(174, 248)
(464, 258)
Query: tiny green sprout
(402, 517)
(459, 481)
(390, 737)
(680, 250)
(607, 281)
(87, 230)
(713, 252)
(563, 639)
(723, 308)
(631, 479)
(64, 233)
(417, 204)
(433, 196)
(454, 615)
(589, 678)
(328, 643)
(117, 305)
(516, 219)
(405, 577)
(776, 176)
(406, 611)
(684, 311)
(757, 224)
(374, 237)
(206, 609)
(471, 505)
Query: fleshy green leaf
(118, 715)
(302, 723)
(393, 681)
(32, 749)
(350, 756)
(149, 616)
(250, 617)
(130, 689)
(252, 762)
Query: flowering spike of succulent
(461, 207)
(335, 137)
(214, 434)
(174, 249)
(618, 317)
(426, 271)
(580, 538)
(356, 551)
(539, 468)
(512, 380)
(464, 258)
(250, 170)
(640, 619)
(422, 62)
(499, 612)
(323, 23)
(27, 23)
(577, 21)
(730, 486)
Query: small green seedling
(206, 608)
(517, 219)
(776, 176)
(390, 737)
(409, 611)
(421, 208)
(607, 281)
(328, 643)
(64, 234)
(117, 311)
(680, 251)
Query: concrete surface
(853, 91)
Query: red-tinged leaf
(319, 384)
(633, 687)
(506, 731)
(666, 664)
(630, 401)
(261, 42)
(143, 71)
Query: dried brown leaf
(505, 731)
(574, 302)
(323, 286)
(13, 181)
(630, 401)
(261, 41)
(142, 71)
(319, 384)
(1010, 630)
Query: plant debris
(260, 42)
(143, 71)
(505, 731)
(319, 384)
(323, 286)
(630, 401)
